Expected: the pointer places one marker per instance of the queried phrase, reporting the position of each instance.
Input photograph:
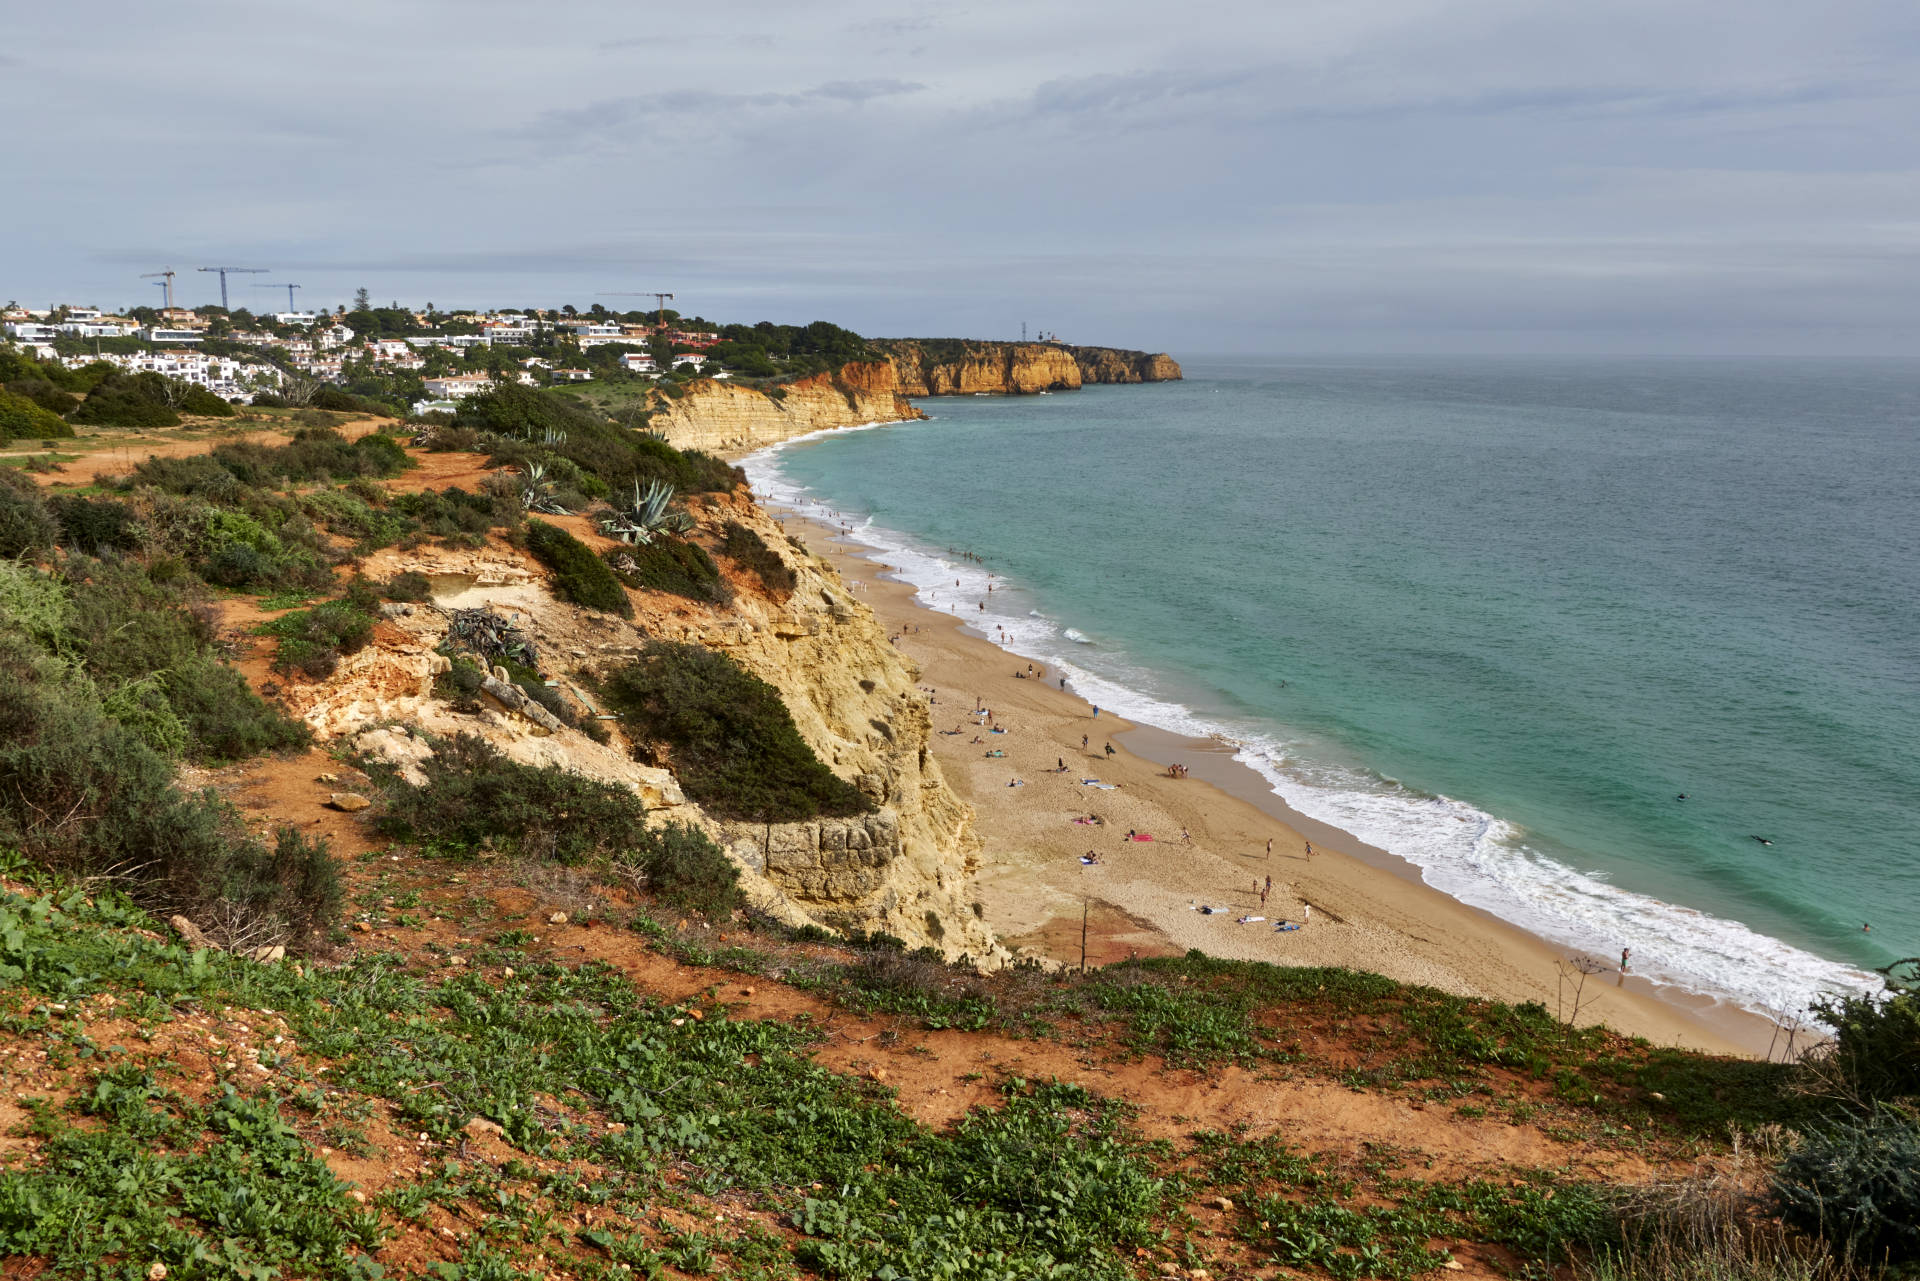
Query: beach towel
(1085, 822)
(1087, 862)
(996, 752)
(1249, 920)
(1283, 927)
(1094, 782)
(1141, 836)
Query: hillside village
(424, 361)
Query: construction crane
(288, 288)
(660, 316)
(251, 271)
(166, 283)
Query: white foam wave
(1475, 857)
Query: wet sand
(1369, 910)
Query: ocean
(1494, 616)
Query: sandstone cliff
(904, 869)
(727, 418)
(961, 367)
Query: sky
(1295, 176)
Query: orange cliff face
(727, 418)
(961, 368)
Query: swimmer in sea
(1763, 840)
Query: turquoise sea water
(1492, 615)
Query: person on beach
(1624, 953)
(1109, 749)
(1063, 764)
(1266, 890)
(1083, 742)
(1309, 851)
(1096, 711)
(1269, 847)
(1306, 912)
(1185, 839)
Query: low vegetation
(668, 565)
(750, 552)
(726, 734)
(578, 574)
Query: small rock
(327, 778)
(878, 1074)
(348, 801)
(558, 918)
(1220, 1203)
(507, 973)
(696, 1016)
(189, 932)
(158, 1272)
(358, 1196)
(1657, 1097)
(456, 960)
(746, 991)
(480, 1127)
(268, 955)
(363, 927)
(1453, 1265)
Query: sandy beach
(1211, 832)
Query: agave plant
(536, 491)
(644, 515)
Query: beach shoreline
(1370, 909)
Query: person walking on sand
(1306, 912)
(1269, 847)
(1096, 711)
(1266, 891)
(1309, 851)
(1185, 839)
(1624, 953)
(1109, 749)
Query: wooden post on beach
(1083, 935)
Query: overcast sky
(1327, 175)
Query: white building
(294, 317)
(635, 363)
(689, 358)
(29, 331)
(457, 386)
(158, 335)
(573, 375)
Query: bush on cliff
(726, 735)
(683, 867)
(578, 575)
(750, 552)
(668, 565)
(313, 640)
(476, 799)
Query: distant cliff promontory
(963, 366)
(731, 418)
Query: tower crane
(288, 288)
(166, 283)
(660, 315)
(252, 271)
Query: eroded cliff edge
(731, 419)
(903, 869)
(962, 367)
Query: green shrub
(128, 630)
(1876, 1045)
(1856, 1185)
(120, 399)
(668, 565)
(449, 512)
(22, 418)
(26, 526)
(408, 586)
(726, 735)
(81, 793)
(55, 400)
(578, 575)
(749, 551)
(198, 400)
(95, 525)
(314, 453)
(614, 456)
(312, 640)
(475, 799)
(686, 869)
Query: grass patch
(749, 551)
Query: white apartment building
(635, 363)
(31, 331)
(158, 335)
(294, 317)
